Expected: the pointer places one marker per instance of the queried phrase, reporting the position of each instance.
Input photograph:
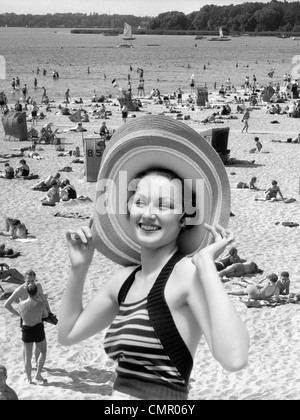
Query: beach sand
(83, 372)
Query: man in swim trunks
(20, 294)
(32, 311)
(258, 291)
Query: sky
(121, 7)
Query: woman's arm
(226, 334)
(75, 322)
(280, 193)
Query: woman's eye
(139, 203)
(166, 206)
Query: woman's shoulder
(184, 269)
(121, 274)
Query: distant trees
(247, 17)
(70, 20)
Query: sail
(127, 30)
(221, 32)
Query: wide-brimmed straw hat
(156, 142)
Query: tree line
(276, 15)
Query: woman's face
(155, 211)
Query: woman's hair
(253, 179)
(272, 277)
(274, 182)
(23, 161)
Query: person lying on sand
(14, 228)
(239, 269)
(258, 291)
(251, 184)
(10, 275)
(78, 128)
(45, 184)
(7, 253)
(231, 258)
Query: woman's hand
(222, 238)
(80, 246)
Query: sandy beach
(83, 371)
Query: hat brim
(156, 142)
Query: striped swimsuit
(153, 361)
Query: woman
(22, 170)
(271, 192)
(53, 195)
(258, 291)
(159, 307)
(67, 191)
(245, 119)
(251, 185)
(14, 228)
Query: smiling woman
(168, 294)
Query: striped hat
(156, 142)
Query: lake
(166, 66)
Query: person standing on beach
(192, 84)
(25, 91)
(35, 83)
(245, 119)
(179, 96)
(124, 112)
(13, 84)
(32, 311)
(34, 112)
(18, 83)
(44, 93)
(67, 97)
(6, 392)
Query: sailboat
(221, 37)
(128, 32)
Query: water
(166, 66)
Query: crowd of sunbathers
(20, 172)
(57, 190)
(269, 288)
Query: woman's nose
(149, 212)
